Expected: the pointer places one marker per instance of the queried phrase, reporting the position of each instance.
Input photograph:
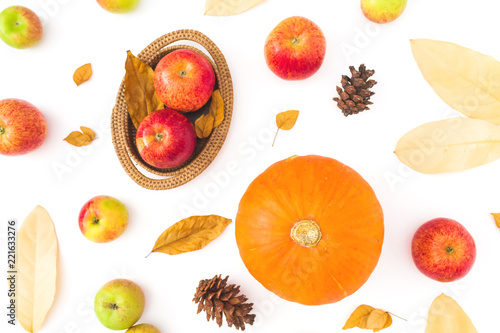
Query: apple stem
(113, 306)
(396, 316)
(295, 40)
(182, 73)
(95, 221)
(158, 136)
(2, 130)
(449, 250)
(275, 137)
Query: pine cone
(355, 92)
(215, 297)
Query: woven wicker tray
(123, 131)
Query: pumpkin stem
(306, 233)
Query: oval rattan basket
(123, 131)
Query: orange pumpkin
(310, 229)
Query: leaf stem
(149, 254)
(275, 136)
(396, 316)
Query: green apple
(383, 11)
(118, 6)
(143, 328)
(103, 219)
(119, 304)
(20, 27)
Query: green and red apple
(118, 6)
(383, 11)
(443, 250)
(119, 304)
(143, 328)
(184, 80)
(295, 48)
(20, 27)
(22, 127)
(103, 219)
(165, 139)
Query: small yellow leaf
(217, 108)
(359, 317)
(369, 318)
(446, 316)
(190, 234)
(376, 320)
(78, 139)
(388, 323)
(140, 93)
(204, 126)
(82, 74)
(286, 120)
(228, 7)
(496, 216)
(37, 269)
(88, 131)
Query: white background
(78, 32)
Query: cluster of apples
(184, 81)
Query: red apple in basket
(22, 127)
(184, 80)
(443, 250)
(295, 48)
(165, 139)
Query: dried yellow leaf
(285, 121)
(82, 74)
(204, 126)
(466, 80)
(140, 93)
(37, 269)
(367, 317)
(446, 316)
(190, 234)
(449, 145)
(78, 139)
(228, 7)
(496, 216)
(88, 131)
(217, 108)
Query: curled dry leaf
(369, 318)
(82, 74)
(228, 7)
(496, 216)
(140, 93)
(204, 125)
(285, 121)
(466, 80)
(37, 269)
(190, 234)
(80, 139)
(217, 108)
(449, 145)
(446, 316)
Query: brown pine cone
(355, 92)
(216, 298)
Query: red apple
(184, 80)
(165, 139)
(295, 48)
(383, 11)
(22, 127)
(103, 219)
(20, 27)
(443, 250)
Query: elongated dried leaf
(78, 139)
(496, 216)
(140, 92)
(369, 318)
(217, 108)
(449, 145)
(286, 120)
(446, 316)
(190, 234)
(228, 7)
(37, 269)
(204, 125)
(82, 74)
(466, 80)
(88, 131)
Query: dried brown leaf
(37, 269)
(228, 7)
(376, 320)
(358, 317)
(204, 125)
(88, 131)
(82, 74)
(140, 93)
(217, 108)
(496, 216)
(285, 121)
(78, 139)
(367, 317)
(190, 234)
